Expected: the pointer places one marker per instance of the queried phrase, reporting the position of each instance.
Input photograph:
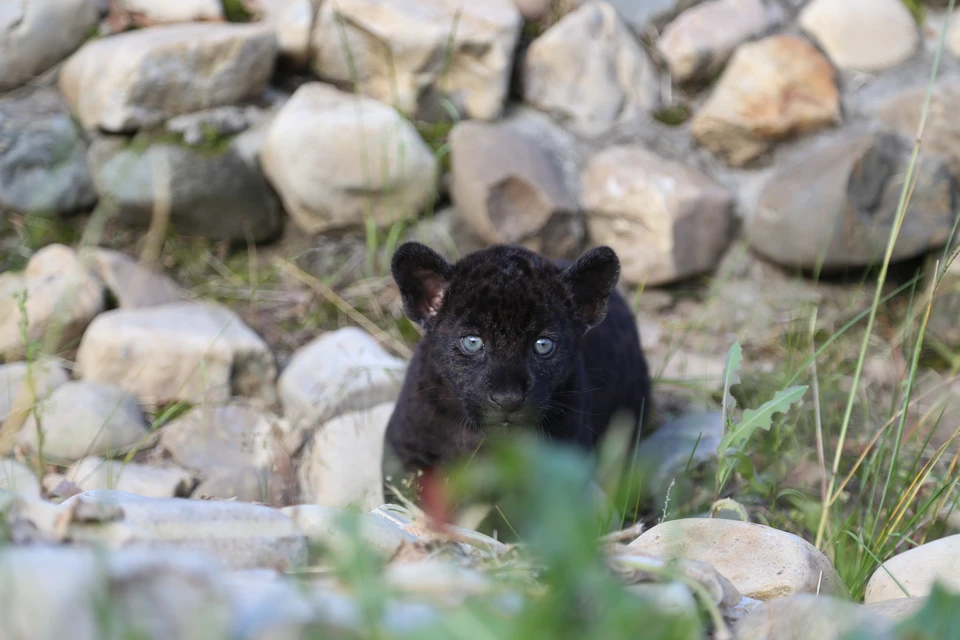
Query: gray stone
(200, 126)
(192, 351)
(590, 73)
(689, 440)
(642, 15)
(43, 167)
(140, 78)
(323, 526)
(165, 481)
(131, 284)
(810, 617)
(37, 34)
(85, 418)
(834, 203)
(18, 479)
(16, 394)
(175, 10)
(240, 535)
(214, 192)
(916, 569)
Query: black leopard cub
(513, 340)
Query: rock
(191, 351)
(809, 617)
(341, 466)
(238, 451)
(18, 479)
(771, 89)
(665, 220)
(590, 73)
(761, 562)
(898, 609)
(85, 418)
(863, 35)
(702, 38)
(51, 592)
(437, 581)
(152, 13)
(340, 371)
(324, 526)
(267, 605)
(215, 193)
(326, 182)
(140, 78)
(851, 185)
(43, 169)
(463, 52)
(688, 441)
(131, 477)
(953, 36)
(640, 15)
(238, 534)
(47, 376)
(131, 284)
(37, 34)
(506, 187)
(292, 20)
(916, 570)
(199, 127)
(62, 298)
(671, 599)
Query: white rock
(37, 34)
(863, 35)
(141, 78)
(438, 581)
(342, 464)
(144, 480)
(47, 375)
(761, 562)
(917, 569)
(806, 616)
(335, 157)
(323, 525)
(18, 479)
(240, 535)
(132, 284)
(62, 298)
(192, 351)
(413, 53)
(665, 220)
(175, 10)
(292, 20)
(953, 35)
(85, 418)
(590, 72)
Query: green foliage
(236, 11)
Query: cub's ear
(422, 276)
(591, 279)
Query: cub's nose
(509, 401)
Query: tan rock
(761, 562)
(864, 35)
(192, 351)
(916, 570)
(898, 609)
(140, 78)
(15, 386)
(292, 21)
(18, 479)
(665, 220)
(334, 157)
(702, 38)
(131, 284)
(166, 481)
(175, 10)
(590, 72)
(460, 51)
(771, 89)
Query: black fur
(510, 297)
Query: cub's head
(503, 325)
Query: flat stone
(16, 395)
(590, 72)
(292, 21)
(702, 38)
(341, 466)
(174, 10)
(325, 155)
(833, 204)
(337, 372)
(215, 193)
(83, 418)
(191, 351)
(665, 220)
(140, 78)
(131, 284)
(506, 187)
(239, 535)
(62, 298)
(862, 35)
(916, 570)
(37, 34)
(369, 42)
(761, 562)
(43, 167)
(18, 479)
(809, 617)
(771, 89)
(323, 526)
(93, 473)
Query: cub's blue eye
(471, 344)
(544, 346)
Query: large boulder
(335, 157)
(414, 54)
